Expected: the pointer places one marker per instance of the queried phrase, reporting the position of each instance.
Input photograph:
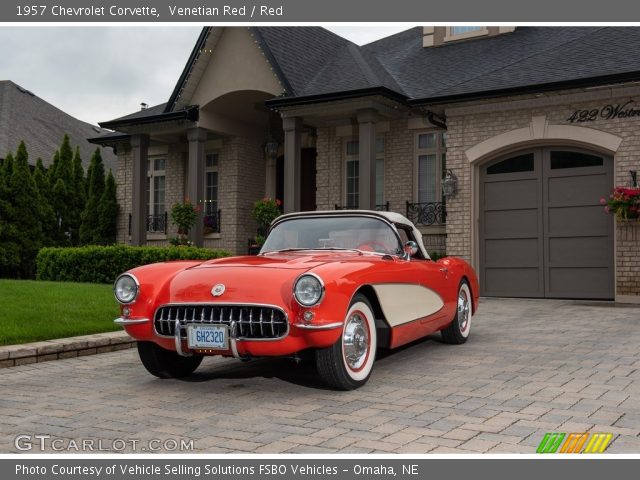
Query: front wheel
(166, 364)
(347, 364)
(458, 331)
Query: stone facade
(241, 181)
(476, 122)
(399, 171)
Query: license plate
(208, 336)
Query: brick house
(533, 125)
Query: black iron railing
(155, 223)
(382, 207)
(427, 213)
(212, 222)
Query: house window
(462, 32)
(211, 220)
(459, 30)
(156, 218)
(431, 153)
(353, 172)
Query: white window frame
(215, 169)
(152, 173)
(451, 35)
(439, 150)
(380, 157)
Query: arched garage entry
(542, 231)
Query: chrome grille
(252, 322)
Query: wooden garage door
(542, 229)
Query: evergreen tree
(62, 194)
(25, 218)
(90, 229)
(77, 198)
(108, 211)
(9, 247)
(48, 218)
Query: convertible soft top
(391, 217)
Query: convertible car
(340, 283)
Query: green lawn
(31, 311)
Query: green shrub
(98, 264)
(435, 255)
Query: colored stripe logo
(560, 442)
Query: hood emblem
(218, 290)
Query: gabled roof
(314, 64)
(25, 116)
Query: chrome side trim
(178, 341)
(326, 326)
(127, 321)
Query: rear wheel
(458, 331)
(166, 364)
(347, 364)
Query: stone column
(292, 130)
(195, 180)
(367, 158)
(140, 154)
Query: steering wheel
(374, 246)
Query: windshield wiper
(285, 250)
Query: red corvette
(342, 283)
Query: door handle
(444, 270)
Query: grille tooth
(254, 322)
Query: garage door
(543, 232)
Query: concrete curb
(14, 355)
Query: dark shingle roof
(25, 116)
(313, 62)
(530, 56)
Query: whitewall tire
(459, 329)
(347, 364)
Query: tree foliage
(54, 207)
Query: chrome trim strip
(178, 341)
(226, 304)
(127, 321)
(326, 326)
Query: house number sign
(608, 112)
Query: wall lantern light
(271, 148)
(449, 184)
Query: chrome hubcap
(464, 308)
(355, 340)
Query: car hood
(250, 279)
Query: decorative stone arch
(538, 133)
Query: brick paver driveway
(530, 367)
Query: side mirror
(410, 249)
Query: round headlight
(308, 290)
(126, 288)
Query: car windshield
(333, 233)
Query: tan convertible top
(392, 217)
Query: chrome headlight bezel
(136, 284)
(319, 285)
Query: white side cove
(402, 303)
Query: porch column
(140, 154)
(367, 158)
(195, 180)
(292, 130)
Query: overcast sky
(101, 73)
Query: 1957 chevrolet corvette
(342, 283)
